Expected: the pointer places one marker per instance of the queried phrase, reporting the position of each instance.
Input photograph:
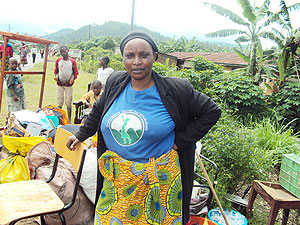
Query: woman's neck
(104, 67)
(140, 85)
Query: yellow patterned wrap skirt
(140, 193)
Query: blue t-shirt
(137, 126)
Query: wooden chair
(25, 199)
(79, 108)
(276, 196)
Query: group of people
(147, 127)
(33, 51)
(66, 72)
(15, 91)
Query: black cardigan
(192, 112)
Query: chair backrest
(79, 107)
(74, 157)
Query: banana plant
(255, 20)
(262, 58)
(288, 44)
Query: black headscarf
(138, 34)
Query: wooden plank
(25, 198)
(2, 69)
(44, 77)
(23, 72)
(27, 38)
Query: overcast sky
(169, 17)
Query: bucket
(195, 220)
(233, 217)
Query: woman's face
(138, 58)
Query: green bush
(240, 94)
(164, 69)
(243, 154)
(201, 80)
(230, 145)
(108, 43)
(287, 104)
(202, 64)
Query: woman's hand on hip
(175, 147)
(72, 142)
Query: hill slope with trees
(85, 33)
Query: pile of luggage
(28, 138)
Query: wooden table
(276, 196)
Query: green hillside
(113, 29)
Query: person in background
(42, 51)
(104, 71)
(33, 53)
(65, 74)
(8, 54)
(148, 126)
(95, 93)
(15, 91)
(23, 54)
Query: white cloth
(104, 74)
(88, 180)
(33, 51)
(65, 73)
(27, 116)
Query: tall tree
(255, 20)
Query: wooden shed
(25, 38)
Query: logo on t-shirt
(127, 128)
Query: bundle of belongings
(31, 156)
(198, 202)
(25, 123)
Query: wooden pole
(211, 186)
(44, 76)
(2, 69)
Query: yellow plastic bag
(15, 168)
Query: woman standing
(23, 55)
(147, 128)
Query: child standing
(65, 73)
(15, 91)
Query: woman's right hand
(72, 142)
